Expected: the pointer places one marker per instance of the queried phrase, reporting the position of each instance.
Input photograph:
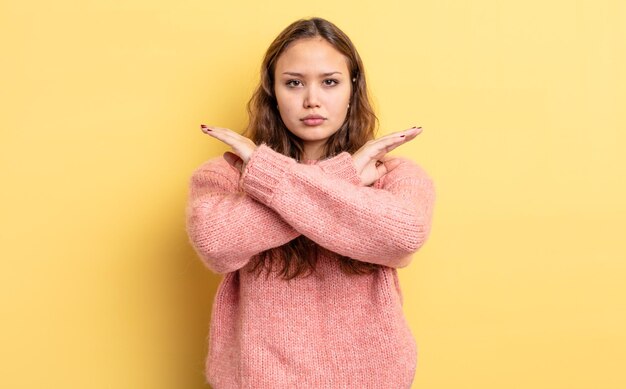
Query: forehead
(311, 55)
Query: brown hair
(266, 126)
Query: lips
(313, 120)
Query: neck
(313, 151)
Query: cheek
(284, 103)
(340, 105)
(343, 99)
(286, 112)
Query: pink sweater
(329, 330)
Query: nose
(311, 98)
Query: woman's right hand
(242, 146)
(367, 158)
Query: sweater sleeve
(226, 226)
(383, 224)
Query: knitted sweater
(328, 330)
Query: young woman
(308, 220)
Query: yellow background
(521, 285)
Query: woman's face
(313, 87)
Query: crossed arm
(232, 216)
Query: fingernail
(202, 125)
(402, 136)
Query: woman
(310, 200)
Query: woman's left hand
(242, 146)
(367, 159)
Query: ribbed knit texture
(329, 330)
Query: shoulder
(216, 171)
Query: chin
(320, 138)
(316, 133)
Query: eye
(330, 82)
(292, 83)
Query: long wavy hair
(265, 125)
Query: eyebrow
(300, 75)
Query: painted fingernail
(402, 136)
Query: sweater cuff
(341, 166)
(263, 173)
